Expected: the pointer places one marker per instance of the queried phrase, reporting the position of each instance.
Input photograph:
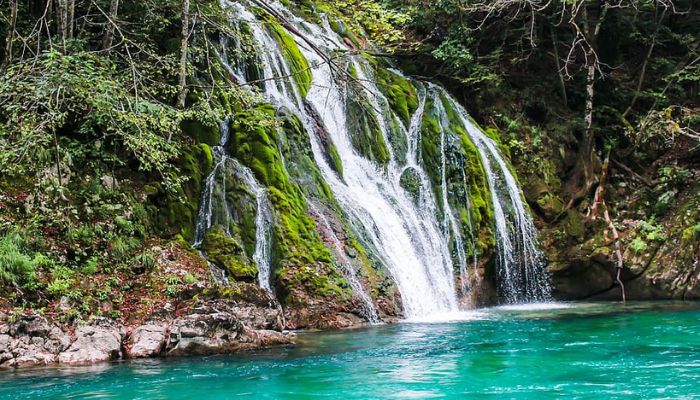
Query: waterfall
(408, 240)
(405, 234)
(214, 189)
(520, 264)
(215, 210)
(263, 225)
(368, 309)
(449, 222)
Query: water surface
(578, 350)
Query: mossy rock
(227, 252)
(300, 146)
(365, 130)
(339, 27)
(297, 244)
(298, 64)
(400, 93)
(200, 132)
(177, 209)
(410, 182)
(574, 226)
(550, 205)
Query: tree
(9, 41)
(184, 38)
(110, 24)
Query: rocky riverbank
(203, 327)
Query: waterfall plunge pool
(583, 350)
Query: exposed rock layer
(205, 327)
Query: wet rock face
(580, 279)
(206, 327)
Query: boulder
(216, 327)
(98, 341)
(148, 340)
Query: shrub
(16, 268)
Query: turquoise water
(585, 351)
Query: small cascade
(214, 190)
(449, 223)
(369, 311)
(520, 264)
(215, 210)
(263, 225)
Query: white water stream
(407, 236)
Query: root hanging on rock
(599, 201)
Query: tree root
(599, 201)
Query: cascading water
(215, 210)
(368, 308)
(520, 263)
(407, 239)
(214, 191)
(263, 225)
(404, 233)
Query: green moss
(430, 144)
(365, 132)
(336, 162)
(176, 212)
(297, 62)
(200, 132)
(296, 146)
(400, 93)
(208, 158)
(574, 226)
(479, 193)
(463, 162)
(342, 30)
(410, 182)
(228, 253)
(299, 254)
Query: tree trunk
(109, 27)
(562, 82)
(11, 33)
(182, 94)
(640, 82)
(584, 177)
(62, 21)
(71, 18)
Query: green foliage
(16, 268)
(651, 231)
(382, 23)
(189, 279)
(84, 95)
(671, 181)
(638, 245)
